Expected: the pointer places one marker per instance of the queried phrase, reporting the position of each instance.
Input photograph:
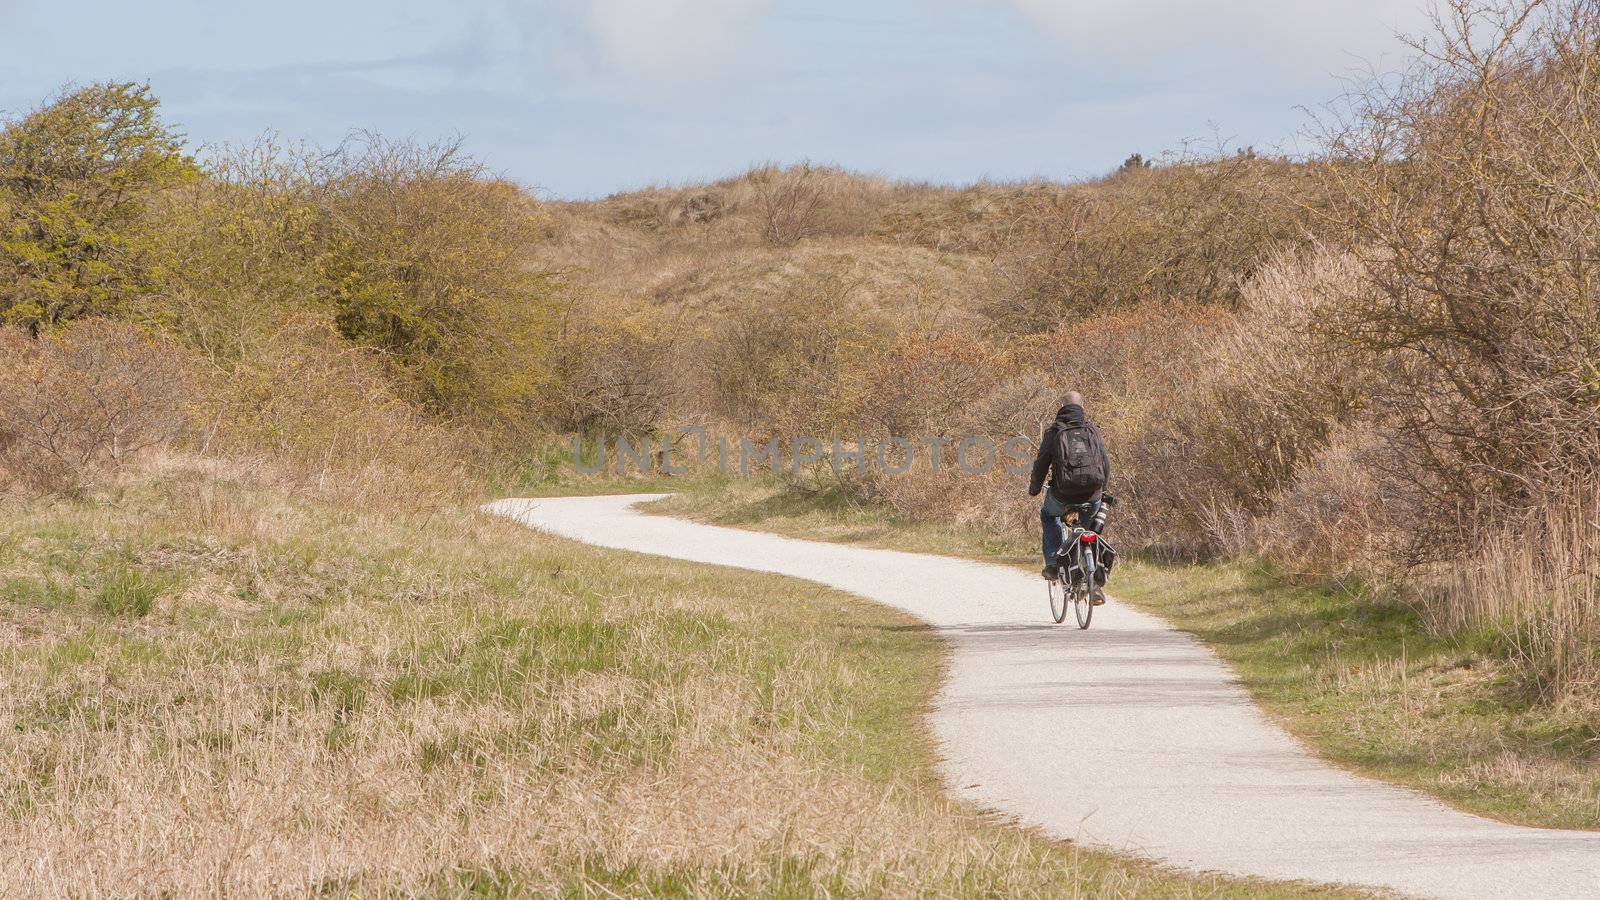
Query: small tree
(75, 176)
(424, 261)
(789, 202)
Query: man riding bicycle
(1074, 456)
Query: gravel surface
(1130, 736)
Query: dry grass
(1536, 585)
(320, 418)
(212, 687)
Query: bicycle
(1079, 580)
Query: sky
(583, 98)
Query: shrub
(1468, 194)
(927, 380)
(610, 375)
(795, 365)
(244, 246)
(1259, 405)
(323, 417)
(75, 177)
(423, 258)
(1333, 518)
(788, 203)
(82, 402)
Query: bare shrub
(788, 202)
(926, 381)
(1260, 404)
(82, 402)
(1468, 189)
(612, 375)
(1138, 369)
(1332, 519)
(794, 365)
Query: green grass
(1358, 677)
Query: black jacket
(1069, 416)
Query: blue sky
(580, 98)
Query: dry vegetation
(256, 643)
(1376, 364)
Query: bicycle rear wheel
(1058, 598)
(1083, 594)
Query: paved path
(1186, 769)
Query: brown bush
(1259, 405)
(613, 375)
(1333, 518)
(795, 365)
(82, 402)
(788, 203)
(926, 382)
(1468, 191)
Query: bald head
(1073, 398)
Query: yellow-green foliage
(424, 261)
(242, 245)
(410, 251)
(75, 177)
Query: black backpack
(1079, 471)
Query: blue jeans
(1050, 525)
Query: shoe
(1051, 573)
(1097, 598)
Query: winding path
(1185, 769)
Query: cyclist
(1073, 454)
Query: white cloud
(1305, 38)
(669, 36)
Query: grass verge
(1359, 678)
(211, 687)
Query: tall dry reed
(1536, 585)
